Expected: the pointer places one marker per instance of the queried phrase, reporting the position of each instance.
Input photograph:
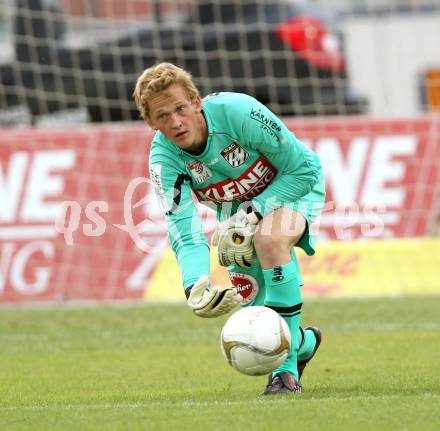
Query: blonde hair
(158, 78)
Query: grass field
(159, 367)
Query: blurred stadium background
(357, 80)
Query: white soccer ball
(255, 340)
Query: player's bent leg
(283, 295)
(279, 232)
(250, 283)
(279, 288)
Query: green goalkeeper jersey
(250, 156)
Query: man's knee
(277, 233)
(269, 245)
(283, 227)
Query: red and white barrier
(78, 219)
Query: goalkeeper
(266, 186)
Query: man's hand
(212, 302)
(234, 239)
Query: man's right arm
(173, 190)
(172, 187)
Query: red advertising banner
(80, 178)
(78, 218)
(381, 176)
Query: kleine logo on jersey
(248, 185)
(31, 187)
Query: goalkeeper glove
(234, 239)
(212, 302)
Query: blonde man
(267, 187)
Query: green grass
(160, 368)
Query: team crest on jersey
(199, 171)
(234, 154)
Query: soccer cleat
(301, 365)
(282, 383)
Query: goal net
(357, 81)
(80, 58)
(76, 61)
